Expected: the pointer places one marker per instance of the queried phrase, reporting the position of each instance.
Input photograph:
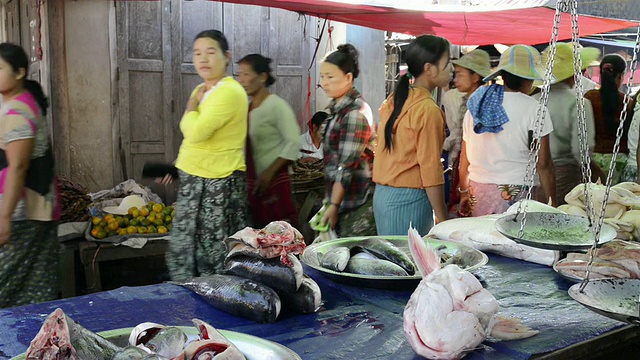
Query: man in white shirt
(311, 144)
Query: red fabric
(520, 26)
(276, 203)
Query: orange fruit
(103, 224)
(158, 207)
(113, 226)
(145, 222)
(95, 220)
(168, 219)
(158, 222)
(122, 231)
(135, 213)
(144, 211)
(151, 218)
(142, 229)
(133, 223)
(94, 232)
(167, 210)
(132, 230)
(109, 218)
(101, 234)
(162, 230)
(151, 230)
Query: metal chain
(534, 146)
(616, 149)
(585, 157)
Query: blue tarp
(353, 323)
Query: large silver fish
(384, 249)
(237, 296)
(336, 259)
(60, 337)
(375, 267)
(271, 272)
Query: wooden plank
(146, 65)
(144, 27)
(169, 193)
(146, 99)
(117, 155)
(147, 148)
(122, 34)
(59, 87)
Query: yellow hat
(477, 61)
(563, 62)
(520, 60)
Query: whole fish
(377, 267)
(168, 342)
(306, 300)
(271, 272)
(130, 353)
(60, 337)
(237, 296)
(386, 250)
(336, 259)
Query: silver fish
(130, 353)
(168, 342)
(307, 299)
(378, 267)
(271, 272)
(237, 296)
(336, 259)
(212, 345)
(386, 250)
(62, 337)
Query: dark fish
(336, 259)
(168, 342)
(271, 272)
(306, 300)
(377, 267)
(130, 353)
(60, 337)
(237, 296)
(386, 250)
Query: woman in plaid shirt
(348, 147)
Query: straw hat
(125, 205)
(520, 60)
(477, 61)
(563, 63)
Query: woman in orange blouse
(407, 168)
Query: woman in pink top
(29, 200)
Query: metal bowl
(614, 298)
(553, 231)
(474, 259)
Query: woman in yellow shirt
(407, 169)
(212, 202)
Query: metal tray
(553, 231)
(614, 298)
(573, 278)
(313, 253)
(252, 347)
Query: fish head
(144, 332)
(168, 342)
(211, 349)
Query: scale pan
(614, 298)
(553, 231)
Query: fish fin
(426, 259)
(508, 328)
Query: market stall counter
(353, 322)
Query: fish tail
(426, 259)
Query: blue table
(354, 322)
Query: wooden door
(145, 83)
(12, 21)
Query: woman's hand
(466, 205)
(167, 179)
(263, 182)
(195, 99)
(330, 216)
(5, 231)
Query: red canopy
(531, 25)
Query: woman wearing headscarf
(607, 105)
(562, 105)
(497, 133)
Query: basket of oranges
(139, 220)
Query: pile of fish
(261, 272)
(622, 210)
(615, 259)
(61, 338)
(373, 256)
(481, 233)
(450, 313)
